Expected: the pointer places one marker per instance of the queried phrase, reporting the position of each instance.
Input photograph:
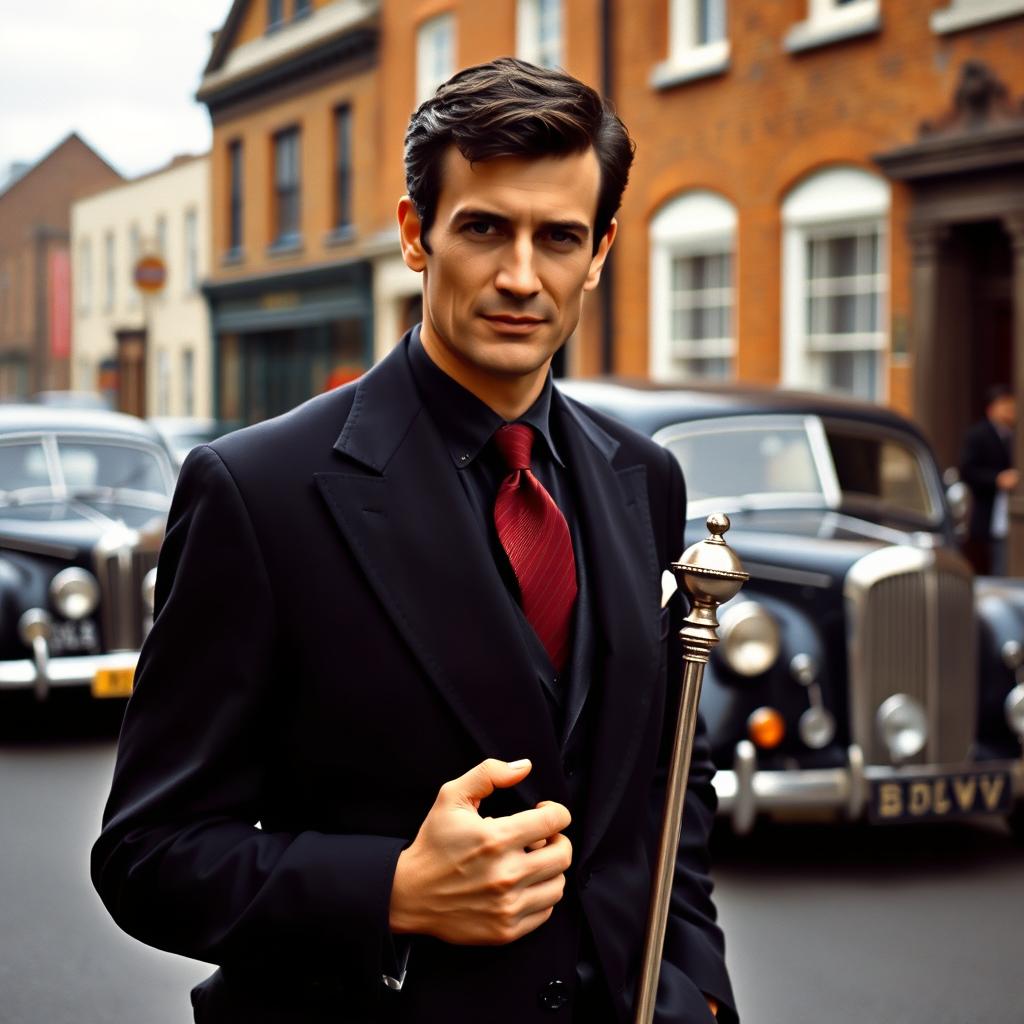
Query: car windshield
(760, 461)
(81, 466)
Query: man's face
(1004, 411)
(511, 255)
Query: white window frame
(829, 21)
(832, 202)
(695, 223)
(961, 14)
(688, 58)
(191, 251)
(109, 271)
(163, 382)
(531, 42)
(134, 255)
(188, 381)
(435, 54)
(84, 276)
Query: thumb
(485, 778)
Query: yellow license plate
(113, 682)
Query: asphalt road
(824, 925)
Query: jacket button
(554, 995)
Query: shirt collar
(465, 422)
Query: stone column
(929, 384)
(1014, 224)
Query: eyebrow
(461, 216)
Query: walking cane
(711, 574)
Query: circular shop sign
(150, 274)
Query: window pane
(22, 465)
(86, 464)
(738, 462)
(343, 166)
(710, 21)
(882, 469)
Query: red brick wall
(769, 121)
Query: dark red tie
(536, 539)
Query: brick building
(827, 193)
(292, 87)
(35, 278)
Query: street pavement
(824, 925)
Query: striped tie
(535, 537)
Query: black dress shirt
(467, 425)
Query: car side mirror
(958, 494)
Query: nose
(517, 276)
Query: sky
(122, 73)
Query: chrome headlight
(1013, 654)
(1014, 708)
(750, 642)
(74, 593)
(149, 590)
(903, 726)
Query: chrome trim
(823, 461)
(745, 791)
(799, 577)
(911, 628)
(79, 670)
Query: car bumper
(745, 791)
(42, 673)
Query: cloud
(121, 73)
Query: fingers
(483, 780)
(528, 827)
(552, 861)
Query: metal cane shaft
(675, 798)
(710, 573)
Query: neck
(508, 396)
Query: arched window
(693, 239)
(835, 283)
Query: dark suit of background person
(986, 453)
(334, 640)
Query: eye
(479, 228)
(563, 238)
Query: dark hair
(508, 108)
(996, 393)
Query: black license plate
(913, 798)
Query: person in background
(986, 466)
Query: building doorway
(981, 262)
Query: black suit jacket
(984, 456)
(332, 642)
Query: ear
(410, 232)
(597, 263)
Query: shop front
(281, 340)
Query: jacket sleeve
(181, 862)
(694, 953)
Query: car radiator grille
(912, 630)
(121, 565)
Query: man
(986, 466)
(398, 743)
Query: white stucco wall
(178, 318)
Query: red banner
(60, 303)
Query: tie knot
(515, 442)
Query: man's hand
(1007, 480)
(481, 881)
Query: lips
(517, 321)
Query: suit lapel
(624, 575)
(407, 521)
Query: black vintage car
(863, 671)
(83, 502)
